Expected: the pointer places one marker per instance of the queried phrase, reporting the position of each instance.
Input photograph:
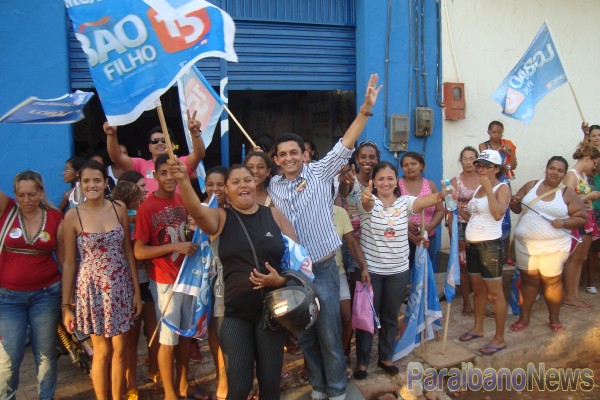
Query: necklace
(41, 234)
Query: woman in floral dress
(107, 292)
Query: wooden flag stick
(577, 102)
(566, 73)
(446, 324)
(165, 131)
(241, 127)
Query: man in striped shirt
(303, 194)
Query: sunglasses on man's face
(158, 140)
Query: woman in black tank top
(247, 278)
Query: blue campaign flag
(453, 270)
(197, 96)
(295, 256)
(514, 305)
(67, 109)
(537, 73)
(193, 280)
(136, 49)
(414, 318)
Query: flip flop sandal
(576, 307)
(469, 336)
(490, 350)
(557, 327)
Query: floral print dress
(104, 286)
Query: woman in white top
(541, 246)
(384, 240)
(485, 251)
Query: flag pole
(165, 131)
(240, 126)
(424, 331)
(566, 73)
(162, 315)
(446, 324)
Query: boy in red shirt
(160, 237)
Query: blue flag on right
(537, 73)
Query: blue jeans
(388, 294)
(321, 343)
(41, 310)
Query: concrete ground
(578, 346)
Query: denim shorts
(462, 228)
(486, 258)
(178, 312)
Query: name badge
(150, 174)
(15, 233)
(44, 237)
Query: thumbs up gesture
(350, 176)
(367, 198)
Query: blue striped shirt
(307, 202)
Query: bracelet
(198, 135)
(365, 112)
(66, 305)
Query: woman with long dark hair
(107, 294)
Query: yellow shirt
(341, 220)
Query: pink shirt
(146, 168)
(429, 211)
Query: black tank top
(241, 301)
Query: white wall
(489, 38)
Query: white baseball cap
(490, 156)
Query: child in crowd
(72, 197)
(160, 237)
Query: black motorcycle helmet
(295, 307)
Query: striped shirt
(307, 202)
(384, 235)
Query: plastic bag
(362, 312)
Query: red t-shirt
(26, 272)
(146, 168)
(162, 221)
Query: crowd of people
(109, 255)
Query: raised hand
(372, 92)
(486, 184)
(349, 177)
(177, 169)
(108, 129)
(367, 194)
(193, 123)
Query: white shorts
(344, 288)
(179, 311)
(548, 264)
